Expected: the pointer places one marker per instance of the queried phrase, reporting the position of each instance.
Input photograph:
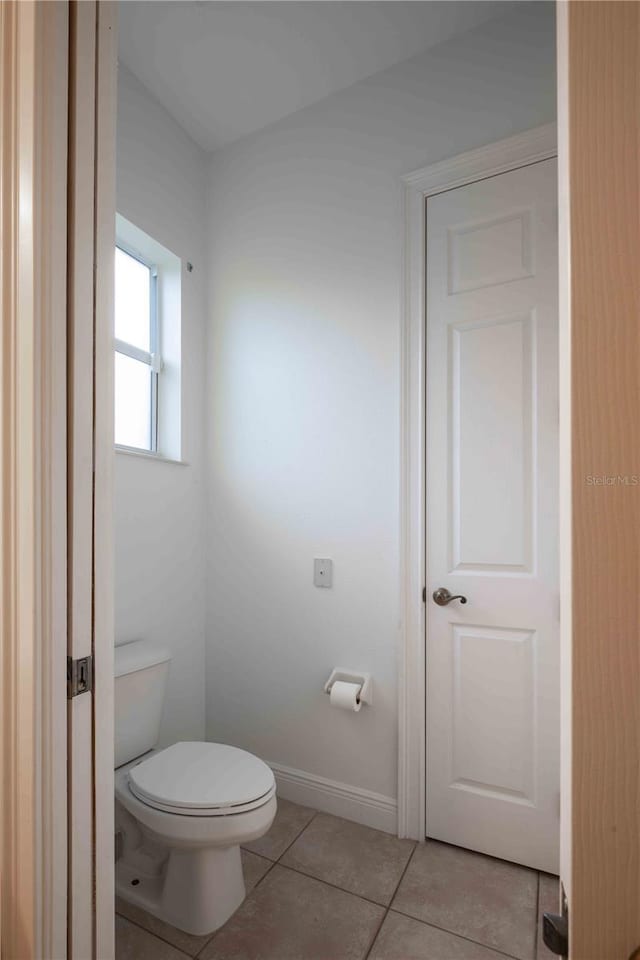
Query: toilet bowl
(182, 812)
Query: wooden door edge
(33, 105)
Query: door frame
(90, 266)
(33, 478)
(598, 109)
(39, 848)
(530, 146)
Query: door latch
(79, 676)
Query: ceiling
(226, 69)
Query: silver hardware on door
(79, 676)
(442, 597)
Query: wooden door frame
(520, 150)
(33, 111)
(104, 456)
(91, 254)
(599, 129)
(35, 83)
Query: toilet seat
(202, 780)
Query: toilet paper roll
(345, 695)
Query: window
(137, 359)
(148, 345)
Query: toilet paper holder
(352, 676)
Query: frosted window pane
(133, 402)
(132, 305)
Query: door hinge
(424, 594)
(79, 676)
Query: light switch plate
(323, 572)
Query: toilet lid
(200, 777)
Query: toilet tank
(141, 670)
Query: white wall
(159, 507)
(303, 389)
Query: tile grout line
(157, 936)
(334, 886)
(406, 867)
(288, 846)
(194, 956)
(376, 935)
(254, 887)
(386, 913)
(461, 936)
(297, 836)
(211, 939)
(272, 864)
(215, 933)
(200, 952)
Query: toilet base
(184, 869)
(195, 890)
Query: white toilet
(181, 812)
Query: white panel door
(492, 517)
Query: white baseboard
(353, 803)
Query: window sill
(148, 455)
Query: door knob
(442, 597)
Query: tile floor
(322, 888)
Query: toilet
(181, 812)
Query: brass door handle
(442, 597)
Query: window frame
(152, 357)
